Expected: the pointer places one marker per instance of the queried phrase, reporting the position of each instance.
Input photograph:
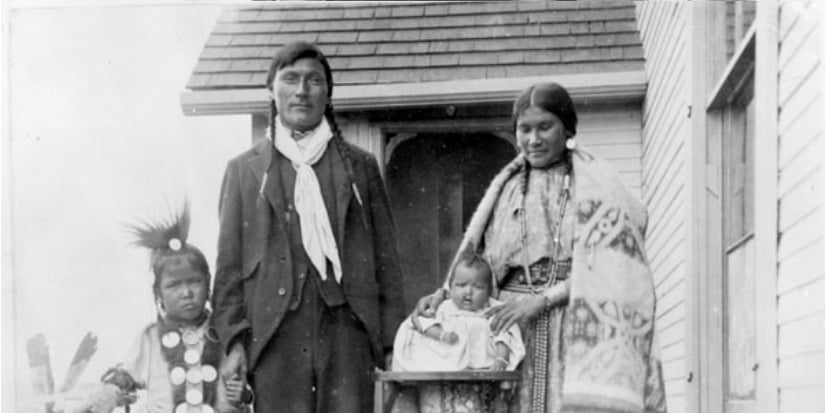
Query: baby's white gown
(476, 348)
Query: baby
(459, 336)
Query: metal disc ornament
(208, 373)
(171, 339)
(194, 396)
(207, 409)
(191, 338)
(192, 356)
(182, 408)
(194, 376)
(177, 376)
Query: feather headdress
(167, 239)
(165, 234)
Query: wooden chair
(389, 383)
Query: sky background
(98, 141)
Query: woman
(564, 237)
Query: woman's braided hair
(287, 56)
(526, 173)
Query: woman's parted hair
(551, 97)
(555, 99)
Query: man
(308, 287)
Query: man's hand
(235, 363)
(502, 317)
(235, 390)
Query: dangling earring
(159, 306)
(570, 143)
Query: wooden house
(732, 174)
(711, 111)
(428, 89)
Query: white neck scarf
(316, 232)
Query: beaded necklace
(562, 204)
(192, 356)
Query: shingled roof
(386, 43)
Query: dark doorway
(435, 182)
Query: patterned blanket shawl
(612, 359)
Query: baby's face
(470, 288)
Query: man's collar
(297, 134)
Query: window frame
(759, 44)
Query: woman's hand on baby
(502, 317)
(426, 307)
(499, 365)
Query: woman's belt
(541, 273)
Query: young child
(459, 337)
(176, 359)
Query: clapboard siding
(800, 370)
(614, 134)
(802, 399)
(668, 190)
(658, 241)
(795, 378)
(358, 131)
(669, 304)
(663, 29)
(798, 124)
(799, 315)
(800, 278)
(797, 270)
(798, 205)
(796, 105)
(805, 162)
(800, 236)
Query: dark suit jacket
(253, 275)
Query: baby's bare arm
(501, 362)
(436, 332)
